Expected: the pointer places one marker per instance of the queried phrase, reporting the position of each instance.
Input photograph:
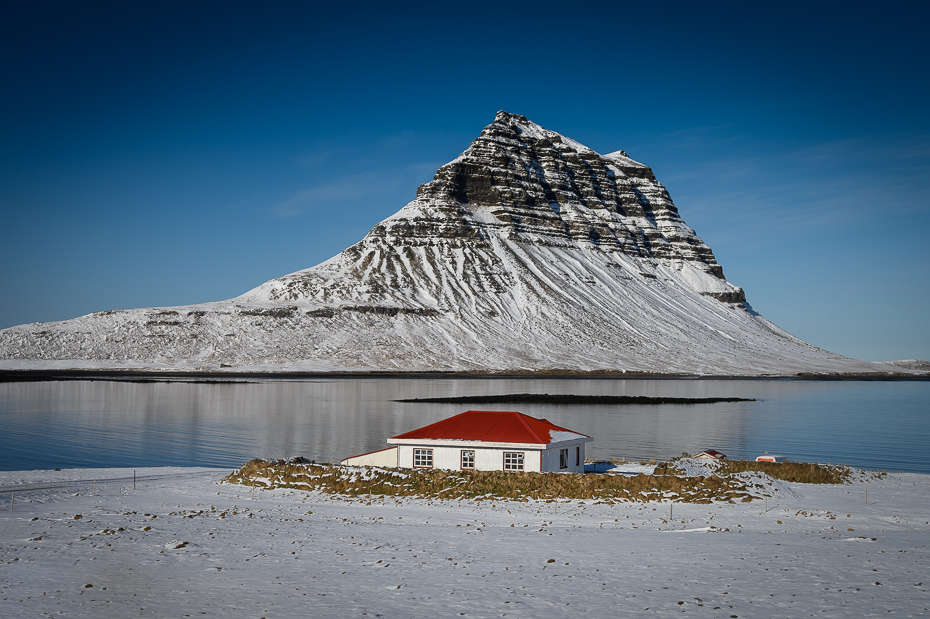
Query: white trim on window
(422, 458)
(514, 460)
(563, 458)
(468, 459)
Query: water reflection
(101, 423)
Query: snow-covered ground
(182, 544)
(626, 468)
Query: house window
(468, 459)
(563, 458)
(423, 458)
(513, 460)
(577, 456)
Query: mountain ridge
(527, 252)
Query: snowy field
(182, 544)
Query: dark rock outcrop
(730, 296)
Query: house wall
(486, 458)
(386, 458)
(550, 459)
(492, 458)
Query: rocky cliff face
(520, 183)
(529, 251)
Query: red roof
(492, 427)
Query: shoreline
(232, 376)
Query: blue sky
(170, 153)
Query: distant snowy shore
(16, 371)
(183, 544)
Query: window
(423, 458)
(563, 458)
(468, 459)
(577, 455)
(513, 460)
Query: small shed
(484, 441)
(769, 458)
(711, 454)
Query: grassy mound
(801, 472)
(480, 485)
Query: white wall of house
(386, 458)
(552, 458)
(486, 458)
(491, 458)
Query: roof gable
(494, 427)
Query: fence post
(12, 498)
(133, 479)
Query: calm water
(104, 424)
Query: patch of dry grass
(801, 472)
(480, 485)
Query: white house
(484, 441)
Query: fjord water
(44, 425)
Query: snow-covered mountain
(529, 251)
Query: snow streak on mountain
(529, 251)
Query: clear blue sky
(166, 153)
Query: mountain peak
(504, 117)
(542, 187)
